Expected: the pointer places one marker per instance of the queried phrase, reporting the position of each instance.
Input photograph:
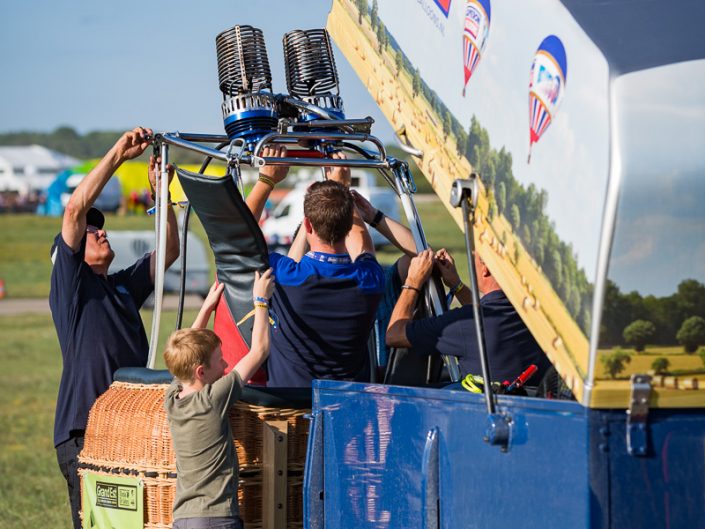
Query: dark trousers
(208, 523)
(67, 457)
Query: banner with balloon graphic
(476, 30)
(549, 72)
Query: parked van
(131, 245)
(280, 226)
(109, 199)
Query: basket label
(112, 501)
(116, 496)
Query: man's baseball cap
(95, 217)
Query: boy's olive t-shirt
(206, 462)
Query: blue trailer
(619, 172)
(567, 138)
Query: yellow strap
(249, 315)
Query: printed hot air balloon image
(475, 33)
(549, 72)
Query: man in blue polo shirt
(96, 314)
(327, 288)
(510, 346)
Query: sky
(115, 65)
(97, 65)
(658, 239)
(660, 232)
(570, 161)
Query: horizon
(83, 68)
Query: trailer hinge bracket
(638, 415)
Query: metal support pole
(162, 199)
(464, 194)
(468, 214)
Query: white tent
(30, 168)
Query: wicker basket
(128, 435)
(246, 423)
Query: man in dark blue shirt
(510, 346)
(326, 298)
(96, 315)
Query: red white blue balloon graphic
(475, 32)
(549, 72)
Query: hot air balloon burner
(311, 74)
(249, 107)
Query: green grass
(679, 363)
(651, 350)
(441, 232)
(33, 492)
(25, 241)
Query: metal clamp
(637, 415)
(407, 179)
(498, 430)
(464, 189)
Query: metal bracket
(637, 416)
(404, 143)
(498, 430)
(257, 162)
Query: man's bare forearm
(300, 245)
(398, 234)
(401, 315)
(358, 240)
(257, 198)
(74, 222)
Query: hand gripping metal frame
(341, 137)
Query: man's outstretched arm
(130, 145)
(395, 232)
(358, 240)
(419, 271)
(269, 176)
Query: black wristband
(378, 218)
(409, 287)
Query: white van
(279, 227)
(131, 245)
(109, 199)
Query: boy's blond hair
(186, 349)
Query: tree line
(630, 319)
(522, 206)
(93, 144)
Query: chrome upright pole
(162, 200)
(464, 194)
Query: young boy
(197, 404)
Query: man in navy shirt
(510, 346)
(96, 315)
(325, 298)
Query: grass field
(25, 241)
(679, 362)
(33, 493)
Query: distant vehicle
(279, 228)
(131, 245)
(108, 200)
